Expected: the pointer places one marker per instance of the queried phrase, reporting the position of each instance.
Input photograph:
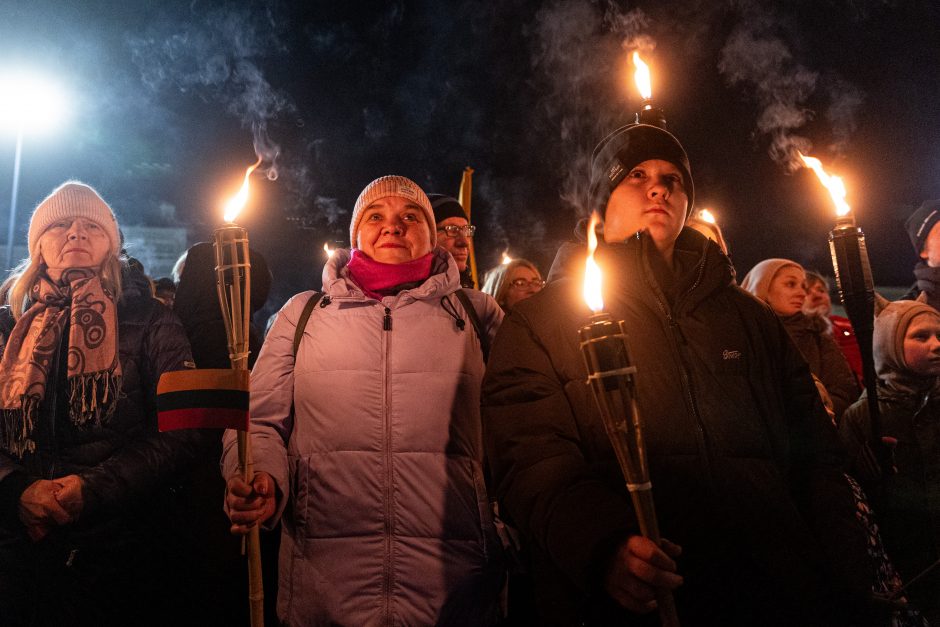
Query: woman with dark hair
(86, 481)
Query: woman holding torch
(744, 465)
(86, 507)
(367, 442)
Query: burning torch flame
(642, 77)
(506, 258)
(706, 216)
(329, 251)
(833, 183)
(592, 272)
(234, 206)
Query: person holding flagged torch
(366, 432)
(757, 522)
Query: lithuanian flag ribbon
(203, 399)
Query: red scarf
(379, 279)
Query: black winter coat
(906, 504)
(122, 553)
(744, 461)
(125, 459)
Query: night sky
(169, 101)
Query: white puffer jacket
(386, 519)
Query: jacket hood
(888, 348)
(339, 285)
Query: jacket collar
(635, 269)
(339, 286)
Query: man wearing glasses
(453, 233)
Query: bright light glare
(30, 103)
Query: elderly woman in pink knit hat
(366, 433)
(84, 475)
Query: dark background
(167, 99)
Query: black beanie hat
(921, 221)
(623, 149)
(446, 207)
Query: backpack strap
(304, 317)
(461, 295)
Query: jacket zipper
(679, 341)
(386, 402)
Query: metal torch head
(233, 281)
(611, 375)
(648, 114)
(853, 273)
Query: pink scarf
(379, 279)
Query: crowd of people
(429, 453)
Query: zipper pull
(387, 323)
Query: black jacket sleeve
(544, 483)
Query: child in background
(907, 503)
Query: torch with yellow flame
(233, 280)
(856, 288)
(611, 374)
(648, 114)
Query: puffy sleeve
(534, 445)
(272, 393)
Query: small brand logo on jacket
(733, 362)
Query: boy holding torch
(744, 462)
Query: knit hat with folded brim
(72, 199)
(622, 150)
(384, 187)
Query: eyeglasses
(521, 283)
(452, 230)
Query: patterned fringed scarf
(94, 370)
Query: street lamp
(28, 104)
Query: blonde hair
(496, 284)
(25, 275)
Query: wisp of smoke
(755, 56)
(577, 50)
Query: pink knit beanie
(72, 200)
(391, 186)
